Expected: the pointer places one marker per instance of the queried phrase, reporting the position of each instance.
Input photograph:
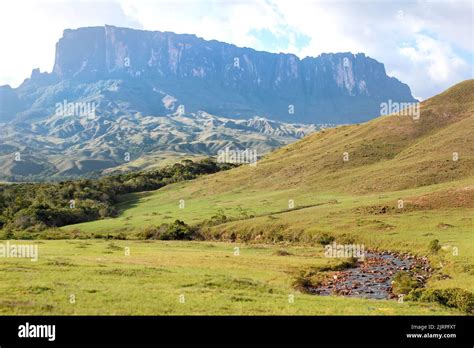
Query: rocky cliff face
(155, 72)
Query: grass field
(152, 278)
(346, 218)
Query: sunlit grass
(212, 278)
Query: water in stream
(372, 278)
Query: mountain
(67, 146)
(154, 72)
(116, 93)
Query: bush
(7, 234)
(26, 235)
(308, 279)
(434, 246)
(325, 239)
(121, 236)
(217, 219)
(177, 231)
(451, 297)
(149, 232)
(404, 283)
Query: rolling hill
(388, 158)
(387, 154)
(67, 146)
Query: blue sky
(428, 45)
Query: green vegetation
(403, 283)
(434, 246)
(34, 207)
(80, 277)
(401, 190)
(316, 275)
(175, 231)
(453, 298)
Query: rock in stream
(372, 277)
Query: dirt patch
(282, 252)
(454, 198)
(374, 210)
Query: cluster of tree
(178, 230)
(36, 206)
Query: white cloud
(228, 21)
(406, 36)
(435, 57)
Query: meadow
(100, 277)
(259, 280)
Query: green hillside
(390, 158)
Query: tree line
(38, 206)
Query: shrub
(325, 239)
(7, 234)
(451, 297)
(178, 230)
(121, 236)
(218, 219)
(55, 233)
(149, 232)
(404, 283)
(308, 279)
(434, 246)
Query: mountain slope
(391, 157)
(386, 154)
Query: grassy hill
(390, 158)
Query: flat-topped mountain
(153, 72)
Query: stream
(372, 277)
